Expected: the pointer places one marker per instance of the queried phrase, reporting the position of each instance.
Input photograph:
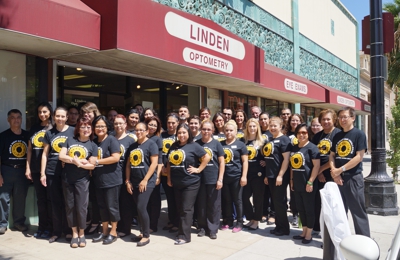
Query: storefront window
(214, 100)
(239, 101)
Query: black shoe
(272, 231)
(280, 233)
(109, 240)
(99, 238)
(45, 235)
(20, 227)
(38, 234)
(134, 222)
(92, 229)
(136, 239)
(201, 233)
(306, 241)
(298, 237)
(213, 236)
(143, 243)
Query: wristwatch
(97, 162)
(343, 169)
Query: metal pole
(380, 192)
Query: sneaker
(20, 227)
(237, 229)
(213, 236)
(295, 222)
(224, 227)
(201, 233)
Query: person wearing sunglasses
(304, 167)
(227, 112)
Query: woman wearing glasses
(141, 178)
(304, 167)
(51, 171)
(75, 153)
(219, 123)
(314, 128)
(108, 179)
(209, 197)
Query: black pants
(76, 202)
(107, 199)
(16, 186)
(185, 199)
(154, 208)
(279, 197)
(209, 208)
(173, 215)
(126, 210)
(43, 204)
(293, 204)
(306, 206)
(352, 193)
(57, 200)
(268, 204)
(255, 187)
(232, 194)
(142, 199)
(93, 211)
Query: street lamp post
(380, 192)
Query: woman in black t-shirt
(33, 159)
(194, 125)
(108, 179)
(126, 203)
(304, 164)
(276, 154)
(255, 175)
(235, 177)
(75, 153)
(209, 197)
(184, 173)
(141, 178)
(51, 171)
(132, 118)
(168, 138)
(154, 205)
(240, 119)
(219, 123)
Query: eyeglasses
(85, 127)
(118, 124)
(140, 130)
(315, 125)
(206, 129)
(302, 133)
(152, 125)
(100, 126)
(344, 117)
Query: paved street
(259, 244)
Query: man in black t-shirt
(13, 147)
(347, 152)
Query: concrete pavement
(259, 244)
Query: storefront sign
(367, 108)
(345, 101)
(207, 60)
(201, 35)
(294, 86)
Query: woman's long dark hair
(48, 106)
(184, 125)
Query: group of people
(92, 171)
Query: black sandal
(82, 241)
(75, 242)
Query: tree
(394, 142)
(394, 56)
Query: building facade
(167, 53)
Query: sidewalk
(259, 244)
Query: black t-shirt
(124, 145)
(132, 135)
(36, 134)
(167, 141)
(83, 150)
(324, 143)
(240, 135)
(266, 135)
(107, 175)
(139, 159)
(214, 149)
(292, 137)
(55, 139)
(156, 139)
(255, 157)
(273, 155)
(345, 145)
(233, 160)
(197, 137)
(13, 147)
(302, 165)
(220, 137)
(180, 158)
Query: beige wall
(281, 9)
(315, 23)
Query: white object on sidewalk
(334, 216)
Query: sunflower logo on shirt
(297, 160)
(208, 151)
(122, 150)
(132, 135)
(136, 157)
(344, 147)
(57, 142)
(268, 149)
(37, 139)
(324, 146)
(78, 150)
(99, 153)
(18, 148)
(166, 144)
(252, 152)
(176, 157)
(228, 155)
